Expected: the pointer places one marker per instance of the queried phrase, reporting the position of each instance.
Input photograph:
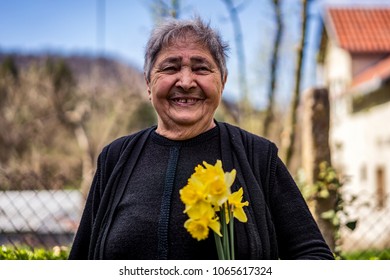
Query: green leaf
(324, 193)
(335, 220)
(328, 215)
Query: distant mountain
(87, 70)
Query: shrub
(56, 253)
(368, 255)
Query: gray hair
(171, 30)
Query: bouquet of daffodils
(210, 204)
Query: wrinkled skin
(185, 88)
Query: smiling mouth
(185, 101)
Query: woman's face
(185, 86)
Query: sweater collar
(199, 139)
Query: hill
(57, 112)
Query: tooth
(186, 100)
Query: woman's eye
(169, 69)
(201, 69)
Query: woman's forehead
(187, 48)
(183, 41)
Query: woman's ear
(147, 86)
(224, 81)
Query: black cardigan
(279, 225)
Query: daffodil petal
(230, 177)
(216, 227)
(200, 209)
(240, 215)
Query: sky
(79, 27)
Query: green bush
(368, 255)
(56, 253)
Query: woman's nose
(186, 79)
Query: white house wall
(363, 146)
(360, 145)
(338, 69)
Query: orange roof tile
(381, 71)
(361, 29)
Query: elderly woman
(134, 210)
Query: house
(354, 62)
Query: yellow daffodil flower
(202, 216)
(193, 192)
(237, 206)
(199, 228)
(210, 204)
(218, 182)
(200, 209)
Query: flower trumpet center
(197, 228)
(217, 187)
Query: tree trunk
(87, 160)
(315, 142)
(241, 63)
(289, 140)
(269, 113)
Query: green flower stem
(225, 232)
(231, 228)
(218, 244)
